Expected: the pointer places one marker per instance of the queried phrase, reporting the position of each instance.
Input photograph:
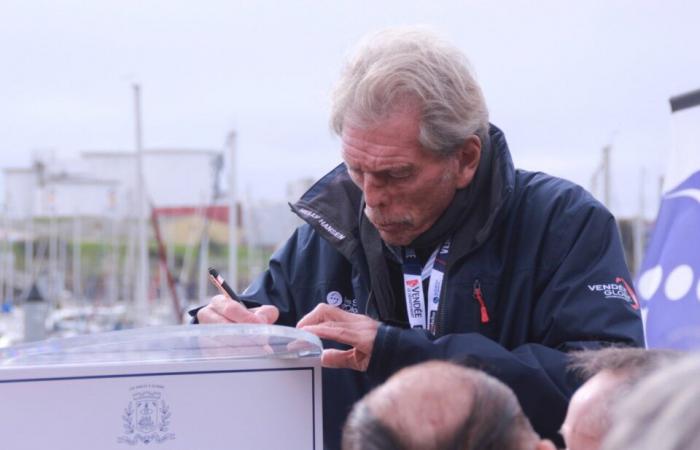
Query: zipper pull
(479, 297)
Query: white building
(21, 186)
(103, 183)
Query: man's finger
(339, 332)
(209, 315)
(268, 313)
(323, 312)
(338, 359)
(301, 345)
(234, 311)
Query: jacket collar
(333, 206)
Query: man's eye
(399, 174)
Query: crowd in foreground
(631, 398)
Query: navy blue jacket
(548, 262)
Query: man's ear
(545, 444)
(468, 157)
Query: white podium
(205, 387)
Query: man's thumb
(268, 313)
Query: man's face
(406, 187)
(587, 419)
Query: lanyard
(413, 276)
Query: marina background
(580, 89)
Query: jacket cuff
(381, 363)
(193, 315)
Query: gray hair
(661, 413)
(412, 64)
(631, 362)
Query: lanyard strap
(413, 276)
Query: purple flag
(669, 279)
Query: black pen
(222, 285)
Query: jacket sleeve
(566, 315)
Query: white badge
(413, 287)
(415, 301)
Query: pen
(223, 286)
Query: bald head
(417, 389)
(432, 405)
(588, 417)
(610, 373)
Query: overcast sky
(561, 78)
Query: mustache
(379, 218)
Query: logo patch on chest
(335, 298)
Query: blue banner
(669, 278)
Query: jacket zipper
(479, 297)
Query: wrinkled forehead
(373, 112)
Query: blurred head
(610, 373)
(588, 418)
(661, 412)
(432, 405)
(412, 120)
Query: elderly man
(610, 373)
(449, 407)
(426, 243)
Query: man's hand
(222, 309)
(356, 330)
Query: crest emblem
(334, 298)
(146, 418)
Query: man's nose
(375, 191)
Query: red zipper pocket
(479, 297)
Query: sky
(561, 78)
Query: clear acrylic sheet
(178, 343)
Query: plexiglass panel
(168, 343)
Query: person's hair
(627, 364)
(496, 420)
(493, 421)
(630, 362)
(411, 64)
(363, 431)
(661, 413)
